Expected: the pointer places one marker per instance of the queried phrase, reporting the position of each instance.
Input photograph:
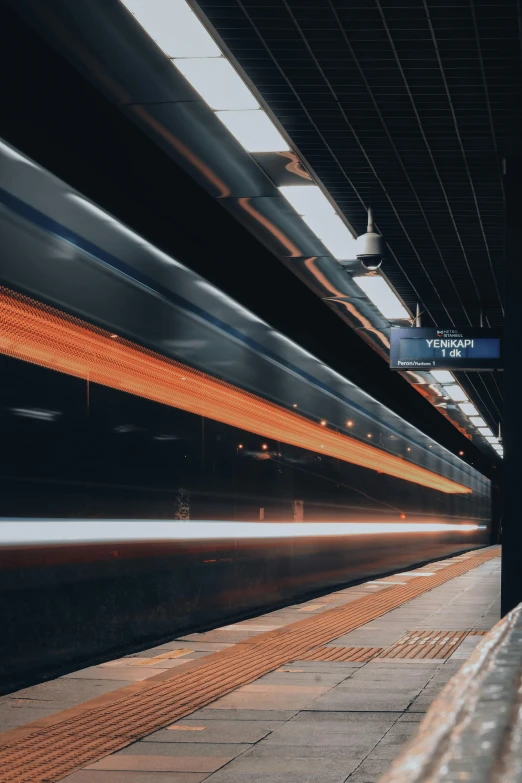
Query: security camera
(370, 248)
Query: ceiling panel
(409, 107)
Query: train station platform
(324, 691)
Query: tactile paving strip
(158, 658)
(51, 752)
(425, 644)
(355, 654)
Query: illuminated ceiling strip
(443, 376)
(178, 32)
(43, 335)
(380, 292)
(456, 392)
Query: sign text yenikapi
(451, 349)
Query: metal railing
(473, 730)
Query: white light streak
(36, 413)
(89, 531)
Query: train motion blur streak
(79, 532)
(40, 334)
(138, 500)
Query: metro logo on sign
(445, 349)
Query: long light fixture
(485, 432)
(174, 26)
(254, 130)
(307, 199)
(468, 409)
(176, 29)
(456, 393)
(311, 204)
(477, 421)
(334, 234)
(218, 83)
(383, 297)
(43, 335)
(443, 376)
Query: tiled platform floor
(309, 721)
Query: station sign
(417, 348)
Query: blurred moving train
(169, 460)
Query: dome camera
(370, 247)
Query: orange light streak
(47, 337)
(295, 166)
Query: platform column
(512, 430)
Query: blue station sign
(428, 349)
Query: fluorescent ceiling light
(174, 26)
(485, 431)
(307, 199)
(491, 439)
(333, 233)
(383, 297)
(456, 393)
(478, 421)
(254, 130)
(443, 376)
(218, 83)
(468, 409)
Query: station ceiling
(410, 106)
(405, 105)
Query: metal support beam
(512, 501)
